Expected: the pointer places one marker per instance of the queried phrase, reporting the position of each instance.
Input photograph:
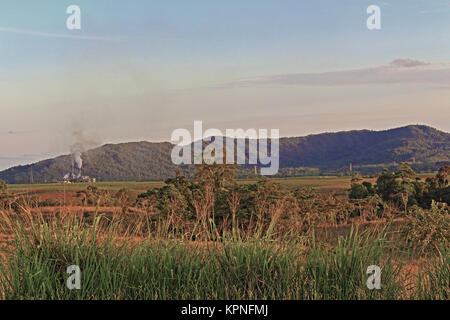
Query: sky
(137, 70)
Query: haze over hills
(368, 151)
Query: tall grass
(435, 282)
(340, 273)
(153, 268)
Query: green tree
(217, 175)
(442, 176)
(436, 188)
(358, 191)
(172, 205)
(3, 186)
(402, 187)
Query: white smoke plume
(78, 150)
(77, 161)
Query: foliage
(435, 285)
(231, 269)
(3, 186)
(429, 229)
(96, 196)
(361, 191)
(209, 237)
(404, 188)
(338, 273)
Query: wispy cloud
(399, 71)
(14, 132)
(56, 35)
(407, 63)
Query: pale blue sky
(137, 70)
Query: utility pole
(31, 175)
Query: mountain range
(365, 151)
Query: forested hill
(364, 147)
(368, 151)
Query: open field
(328, 183)
(66, 193)
(321, 183)
(59, 187)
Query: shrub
(429, 228)
(3, 187)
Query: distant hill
(368, 151)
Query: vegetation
(404, 188)
(3, 186)
(429, 228)
(211, 236)
(164, 268)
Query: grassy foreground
(157, 268)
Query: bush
(429, 228)
(358, 191)
(3, 187)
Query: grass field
(66, 193)
(310, 247)
(324, 183)
(258, 268)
